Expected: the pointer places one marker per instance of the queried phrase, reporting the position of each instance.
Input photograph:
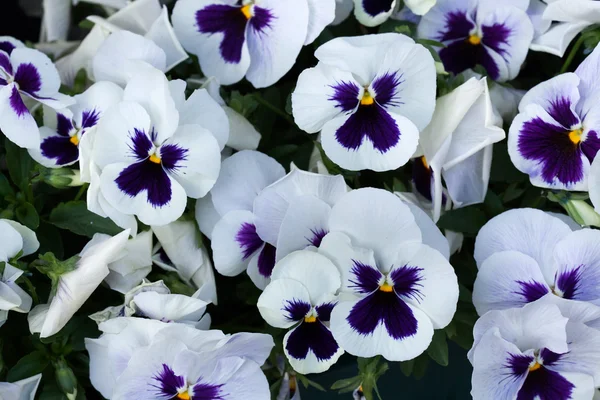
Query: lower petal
(56, 150)
(16, 122)
(311, 348)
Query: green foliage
(75, 217)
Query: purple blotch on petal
(385, 308)
(5, 63)
(549, 357)
(386, 87)
(60, 149)
(266, 260)
(376, 7)
(519, 363)
(568, 282)
(296, 309)
(248, 239)
(532, 290)
(551, 147)
(422, 178)
(207, 391)
(16, 103)
(140, 144)
(167, 382)
(90, 118)
(63, 125)
(371, 122)
(324, 311)
(261, 19)
(171, 155)
(462, 55)
(7, 47)
(345, 95)
(228, 20)
(28, 78)
(494, 36)
(407, 281)
(317, 236)
(560, 110)
(458, 26)
(590, 145)
(366, 278)
(545, 384)
(146, 176)
(312, 336)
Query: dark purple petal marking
(16, 103)
(3, 82)
(549, 357)
(5, 63)
(171, 155)
(376, 7)
(551, 147)
(568, 282)
(407, 281)
(261, 19)
(317, 236)
(495, 36)
(366, 278)
(560, 110)
(311, 336)
(164, 257)
(422, 178)
(324, 311)
(519, 363)
(266, 260)
(532, 290)
(545, 384)
(140, 144)
(7, 47)
(345, 95)
(146, 176)
(383, 308)
(207, 391)
(167, 382)
(248, 239)
(458, 26)
(60, 149)
(63, 125)
(228, 20)
(373, 123)
(462, 55)
(296, 309)
(28, 78)
(590, 145)
(386, 87)
(90, 118)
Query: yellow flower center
(247, 11)
(424, 161)
(367, 99)
(310, 319)
(75, 140)
(575, 135)
(535, 366)
(474, 40)
(386, 287)
(155, 159)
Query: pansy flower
(26, 73)
(259, 39)
(395, 289)
(150, 162)
(495, 35)
(524, 255)
(24, 389)
(369, 96)
(64, 129)
(301, 296)
(534, 352)
(554, 138)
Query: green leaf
(429, 42)
(420, 367)
(75, 217)
(407, 367)
(438, 349)
(348, 383)
(19, 164)
(5, 188)
(28, 216)
(32, 364)
(467, 220)
(492, 204)
(50, 240)
(512, 192)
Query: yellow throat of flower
(474, 40)
(575, 135)
(535, 366)
(247, 11)
(155, 159)
(310, 319)
(424, 161)
(75, 140)
(386, 287)
(367, 99)
(183, 396)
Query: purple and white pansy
(64, 129)
(301, 295)
(526, 254)
(258, 39)
(534, 352)
(151, 158)
(554, 138)
(369, 96)
(395, 289)
(26, 74)
(495, 35)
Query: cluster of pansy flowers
(361, 271)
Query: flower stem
(572, 54)
(81, 191)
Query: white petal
(320, 14)
(56, 19)
(273, 50)
(557, 39)
(311, 364)
(170, 307)
(11, 239)
(420, 7)
(206, 215)
(430, 233)
(161, 33)
(365, 17)
(15, 120)
(277, 297)
(30, 242)
(98, 98)
(201, 109)
(242, 134)
(343, 8)
(231, 257)
(138, 16)
(594, 184)
(48, 75)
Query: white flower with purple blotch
(369, 96)
(395, 289)
(64, 129)
(150, 158)
(457, 146)
(259, 39)
(376, 12)
(301, 295)
(495, 35)
(24, 389)
(526, 254)
(226, 216)
(26, 73)
(534, 352)
(173, 360)
(554, 138)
